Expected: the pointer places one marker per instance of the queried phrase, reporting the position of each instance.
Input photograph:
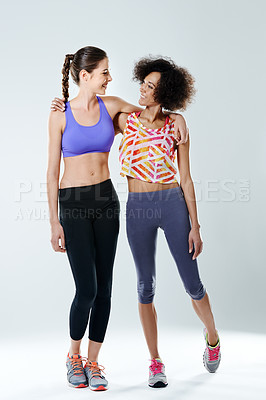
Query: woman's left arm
(187, 186)
(117, 105)
(181, 129)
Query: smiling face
(98, 79)
(147, 89)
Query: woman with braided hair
(88, 223)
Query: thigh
(106, 230)
(142, 235)
(80, 247)
(176, 226)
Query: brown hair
(86, 58)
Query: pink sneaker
(157, 377)
(212, 354)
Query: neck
(85, 99)
(153, 113)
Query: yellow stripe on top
(148, 154)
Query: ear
(84, 75)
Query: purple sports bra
(79, 139)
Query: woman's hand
(194, 238)
(57, 233)
(58, 104)
(181, 129)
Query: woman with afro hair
(156, 200)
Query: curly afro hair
(175, 89)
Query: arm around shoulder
(116, 105)
(180, 127)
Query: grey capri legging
(165, 209)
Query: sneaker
(157, 377)
(94, 375)
(75, 372)
(212, 354)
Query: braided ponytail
(86, 58)
(65, 72)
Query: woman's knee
(102, 300)
(146, 291)
(85, 300)
(196, 291)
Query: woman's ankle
(72, 352)
(213, 338)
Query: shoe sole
(99, 388)
(81, 385)
(158, 385)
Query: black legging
(90, 219)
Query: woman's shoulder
(111, 104)
(56, 116)
(109, 100)
(56, 122)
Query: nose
(110, 78)
(142, 87)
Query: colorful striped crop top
(148, 154)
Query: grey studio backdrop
(222, 44)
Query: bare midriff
(86, 169)
(137, 185)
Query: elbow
(187, 184)
(185, 180)
(52, 176)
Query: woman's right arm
(114, 105)
(55, 128)
(118, 107)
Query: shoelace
(156, 367)
(77, 365)
(213, 354)
(96, 370)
